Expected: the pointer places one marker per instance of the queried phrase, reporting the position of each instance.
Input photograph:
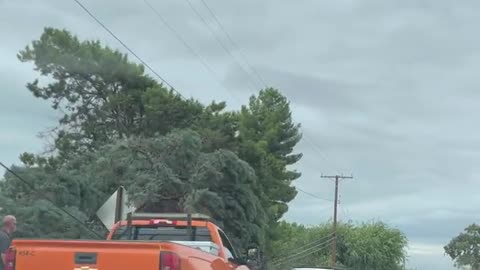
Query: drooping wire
(187, 45)
(301, 256)
(315, 247)
(312, 243)
(227, 50)
(312, 195)
(245, 59)
(304, 253)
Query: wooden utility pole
(334, 242)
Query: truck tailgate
(104, 255)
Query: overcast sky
(384, 89)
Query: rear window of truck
(163, 233)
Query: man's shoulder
(4, 235)
(4, 242)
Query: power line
(212, 31)
(196, 117)
(259, 77)
(303, 254)
(126, 47)
(175, 32)
(307, 250)
(185, 43)
(306, 245)
(31, 186)
(312, 195)
(233, 42)
(318, 150)
(307, 138)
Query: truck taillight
(10, 258)
(169, 261)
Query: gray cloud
(386, 90)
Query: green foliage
(155, 171)
(218, 128)
(223, 188)
(102, 95)
(39, 219)
(299, 246)
(373, 246)
(117, 128)
(268, 136)
(464, 249)
(362, 246)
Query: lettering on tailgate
(26, 253)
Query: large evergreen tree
(268, 136)
(101, 93)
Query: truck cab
(196, 230)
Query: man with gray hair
(9, 226)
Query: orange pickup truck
(143, 242)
